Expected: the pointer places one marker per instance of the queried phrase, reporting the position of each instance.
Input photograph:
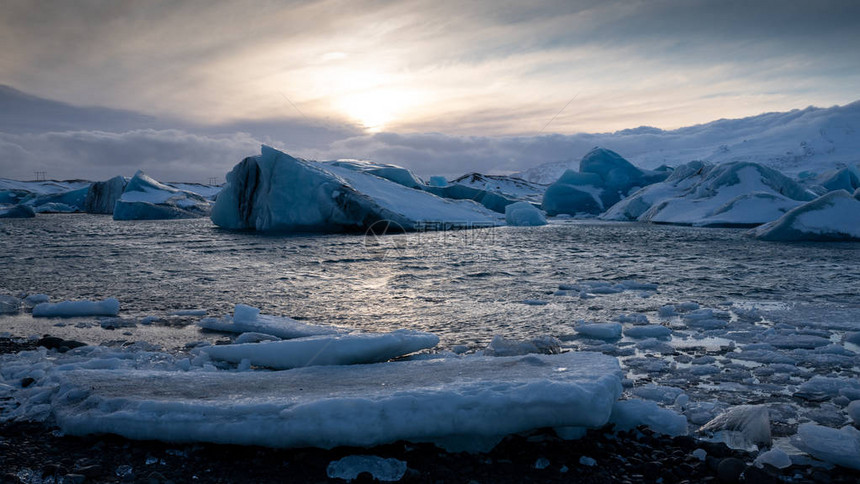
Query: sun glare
(376, 108)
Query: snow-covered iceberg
(507, 186)
(738, 194)
(103, 195)
(470, 399)
(397, 174)
(832, 216)
(604, 178)
(276, 192)
(63, 202)
(146, 199)
(339, 349)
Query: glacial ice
(742, 426)
(397, 174)
(599, 330)
(341, 349)
(833, 216)
(62, 202)
(650, 331)
(449, 399)
(629, 414)
(774, 457)
(103, 195)
(737, 194)
(17, 211)
(438, 181)
(836, 446)
(276, 192)
(501, 346)
(349, 468)
(604, 178)
(71, 309)
(247, 319)
(524, 214)
(510, 187)
(146, 199)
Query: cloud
(165, 154)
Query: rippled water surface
(465, 286)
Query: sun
(378, 107)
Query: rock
(730, 469)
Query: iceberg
(738, 194)
(450, 399)
(17, 211)
(507, 186)
(146, 199)
(276, 192)
(63, 202)
(604, 178)
(397, 174)
(836, 446)
(103, 195)
(247, 319)
(524, 214)
(438, 181)
(832, 216)
(629, 414)
(341, 349)
(71, 309)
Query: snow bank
(17, 211)
(465, 399)
(146, 199)
(247, 319)
(342, 349)
(736, 194)
(524, 214)
(604, 178)
(833, 216)
(837, 446)
(276, 192)
(71, 309)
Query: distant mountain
(24, 113)
(811, 139)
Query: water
(465, 286)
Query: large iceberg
(737, 194)
(832, 216)
(146, 199)
(441, 400)
(276, 192)
(103, 195)
(397, 174)
(507, 186)
(64, 202)
(604, 178)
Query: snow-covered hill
(811, 139)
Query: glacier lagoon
(465, 286)
(701, 319)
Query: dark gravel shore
(31, 452)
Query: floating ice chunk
(790, 341)
(17, 211)
(774, 457)
(9, 304)
(524, 214)
(629, 414)
(343, 349)
(853, 338)
(854, 411)
(833, 216)
(500, 346)
(820, 388)
(658, 393)
(329, 406)
(348, 468)
(587, 461)
(840, 447)
(254, 338)
(742, 426)
(599, 330)
(650, 331)
(535, 302)
(71, 309)
(667, 311)
(635, 318)
(247, 319)
(34, 299)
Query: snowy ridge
(812, 139)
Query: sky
(180, 83)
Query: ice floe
(247, 319)
(836, 446)
(70, 309)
